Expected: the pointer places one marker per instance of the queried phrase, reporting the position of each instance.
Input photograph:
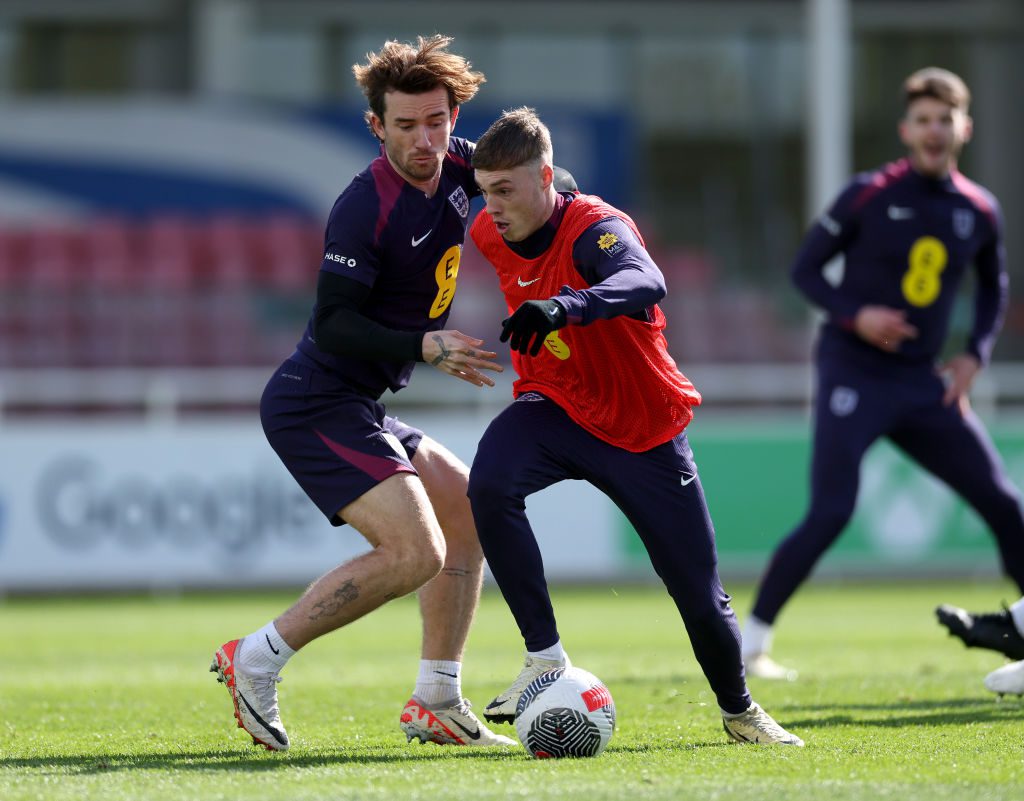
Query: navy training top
(908, 241)
(385, 233)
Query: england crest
(963, 223)
(460, 201)
(843, 401)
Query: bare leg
(448, 602)
(408, 550)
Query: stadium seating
(159, 292)
(232, 291)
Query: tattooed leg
(408, 551)
(331, 606)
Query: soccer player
(999, 631)
(909, 232)
(391, 261)
(598, 398)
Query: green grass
(109, 698)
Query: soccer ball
(565, 712)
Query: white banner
(207, 504)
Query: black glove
(535, 319)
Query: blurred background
(167, 166)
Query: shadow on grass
(255, 760)
(262, 761)
(906, 713)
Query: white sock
(439, 680)
(1017, 613)
(264, 651)
(757, 638)
(553, 653)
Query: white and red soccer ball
(565, 712)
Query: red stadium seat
(168, 255)
(231, 263)
(11, 269)
(293, 249)
(110, 260)
(50, 259)
(163, 292)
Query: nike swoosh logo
(685, 479)
(527, 283)
(416, 241)
(272, 648)
(900, 213)
(453, 675)
(473, 735)
(279, 736)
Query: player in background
(391, 261)
(599, 399)
(998, 631)
(909, 231)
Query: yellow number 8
(445, 273)
(921, 283)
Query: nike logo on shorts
(416, 242)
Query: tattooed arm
(456, 354)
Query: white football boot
(1007, 680)
(757, 727)
(254, 696)
(503, 708)
(447, 723)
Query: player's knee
(463, 545)
(701, 608)
(825, 524)
(455, 515)
(417, 561)
(489, 487)
(431, 556)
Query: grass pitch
(109, 698)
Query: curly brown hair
(402, 67)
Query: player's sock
(1017, 613)
(756, 637)
(265, 651)
(439, 680)
(553, 653)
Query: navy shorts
(337, 443)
